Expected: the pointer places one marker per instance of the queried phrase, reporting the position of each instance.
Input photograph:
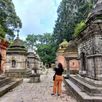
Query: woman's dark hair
(60, 66)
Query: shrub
(79, 28)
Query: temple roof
(17, 46)
(17, 43)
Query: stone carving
(98, 46)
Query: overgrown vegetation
(79, 28)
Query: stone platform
(7, 84)
(37, 92)
(35, 78)
(84, 89)
(18, 73)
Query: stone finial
(17, 34)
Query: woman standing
(57, 87)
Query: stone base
(74, 71)
(7, 84)
(83, 89)
(35, 78)
(17, 73)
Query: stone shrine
(90, 45)
(71, 56)
(6, 83)
(87, 85)
(31, 58)
(16, 64)
(35, 66)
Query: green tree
(31, 40)
(46, 49)
(44, 44)
(70, 13)
(9, 21)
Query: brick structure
(3, 46)
(71, 56)
(60, 53)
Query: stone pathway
(36, 92)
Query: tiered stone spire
(97, 11)
(17, 34)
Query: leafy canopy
(79, 27)
(9, 21)
(44, 44)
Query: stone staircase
(7, 84)
(83, 89)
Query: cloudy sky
(37, 16)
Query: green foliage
(31, 40)
(45, 46)
(79, 27)
(9, 21)
(2, 33)
(70, 13)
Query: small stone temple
(60, 53)
(16, 64)
(71, 56)
(20, 62)
(6, 83)
(34, 64)
(87, 85)
(31, 58)
(3, 46)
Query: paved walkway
(36, 92)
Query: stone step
(1, 77)
(5, 81)
(90, 81)
(80, 95)
(89, 89)
(17, 73)
(7, 87)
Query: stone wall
(3, 46)
(90, 52)
(20, 61)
